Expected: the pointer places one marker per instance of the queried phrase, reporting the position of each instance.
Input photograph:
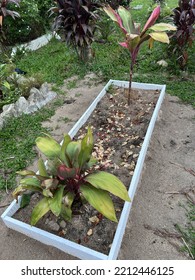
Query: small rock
(138, 7)
(8, 111)
(21, 106)
(44, 88)
(162, 63)
(53, 225)
(63, 224)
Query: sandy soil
(156, 206)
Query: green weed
(188, 232)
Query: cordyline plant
(76, 20)
(184, 19)
(134, 37)
(69, 177)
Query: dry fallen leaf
(90, 232)
(94, 220)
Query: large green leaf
(72, 151)
(66, 213)
(26, 172)
(86, 148)
(42, 168)
(41, 208)
(115, 17)
(48, 146)
(109, 182)
(160, 37)
(100, 200)
(55, 203)
(33, 181)
(22, 188)
(163, 27)
(63, 156)
(127, 20)
(111, 13)
(25, 200)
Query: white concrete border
(36, 43)
(69, 246)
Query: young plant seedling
(134, 37)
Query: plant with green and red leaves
(70, 176)
(184, 20)
(135, 37)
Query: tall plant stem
(130, 82)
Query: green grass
(55, 62)
(188, 232)
(17, 141)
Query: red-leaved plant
(134, 37)
(184, 19)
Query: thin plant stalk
(130, 82)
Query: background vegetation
(56, 62)
(34, 21)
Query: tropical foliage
(33, 22)
(70, 178)
(184, 19)
(75, 20)
(116, 3)
(4, 11)
(134, 37)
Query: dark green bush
(34, 21)
(116, 3)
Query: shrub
(34, 21)
(116, 3)
(76, 21)
(184, 19)
(4, 11)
